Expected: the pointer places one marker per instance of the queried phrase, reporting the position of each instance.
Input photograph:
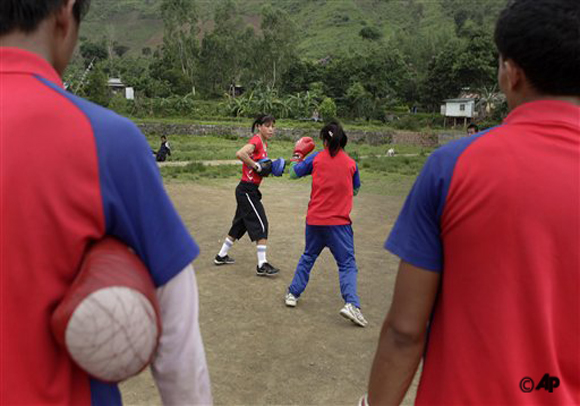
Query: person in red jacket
(488, 289)
(250, 214)
(335, 180)
(71, 173)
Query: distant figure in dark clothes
(164, 150)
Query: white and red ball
(109, 319)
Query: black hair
(474, 126)
(26, 15)
(263, 119)
(543, 38)
(334, 136)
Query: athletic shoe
(290, 300)
(266, 270)
(351, 312)
(225, 260)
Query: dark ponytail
(262, 119)
(334, 137)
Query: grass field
(386, 175)
(361, 125)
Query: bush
(370, 33)
(415, 122)
(484, 125)
(327, 109)
(120, 105)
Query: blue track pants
(339, 239)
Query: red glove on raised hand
(303, 147)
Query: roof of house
(464, 100)
(115, 82)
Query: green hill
(325, 27)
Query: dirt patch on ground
(259, 351)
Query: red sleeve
(257, 142)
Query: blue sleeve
(136, 206)
(305, 167)
(356, 179)
(416, 236)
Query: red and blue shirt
(498, 214)
(333, 182)
(260, 152)
(71, 172)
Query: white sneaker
(290, 300)
(353, 313)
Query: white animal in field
(391, 152)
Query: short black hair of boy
(474, 126)
(26, 15)
(543, 38)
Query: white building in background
(129, 93)
(117, 86)
(462, 109)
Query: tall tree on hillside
(224, 51)
(441, 81)
(300, 76)
(482, 13)
(278, 46)
(476, 66)
(380, 70)
(96, 89)
(93, 51)
(180, 45)
(469, 62)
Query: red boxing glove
(109, 320)
(303, 147)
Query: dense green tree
(93, 51)
(327, 109)
(300, 76)
(370, 33)
(277, 49)
(179, 53)
(95, 88)
(482, 13)
(120, 49)
(359, 100)
(441, 82)
(380, 73)
(469, 62)
(476, 65)
(223, 56)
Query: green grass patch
(361, 150)
(220, 147)
(197, 171)
(359, 125)
(206, 148)
(379, 174)
(401, 165)
(388, 184)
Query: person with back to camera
(335, 180)
(76, 174)
(488, 288)
(250, 214)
